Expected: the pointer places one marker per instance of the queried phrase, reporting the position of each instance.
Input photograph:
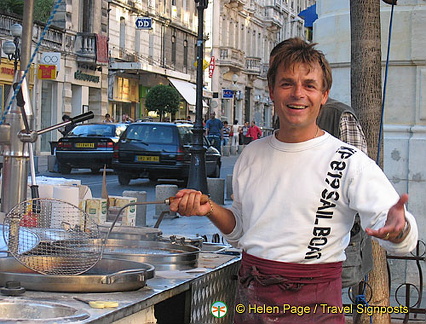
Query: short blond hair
(293, 51)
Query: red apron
(279, 292)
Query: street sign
(227, 93)
(211, 66)
(143, 23)
(46, 72)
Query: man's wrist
(403, 234)
(210, 213)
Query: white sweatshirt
(296, 202)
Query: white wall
(405, 106)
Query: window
(185, 53)
(122, 33)
(174, 49)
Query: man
(340, 120)
(254, 131)
(68, 128)
(108, 119)
(214, 130)
(296, 194)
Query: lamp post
(12, 48)
(197, 178)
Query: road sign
(143, 23)
(227, 93)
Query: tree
(366, 99)
(44, 8)
(162, 99)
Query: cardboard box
(96, 208)
(128, 215)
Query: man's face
(298, 95)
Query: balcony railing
(231, 57)
(274, 17)
(253, 65)
(85, 47)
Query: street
(94, 181)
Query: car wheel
(123, 179)
(64, 168)
(94, 170)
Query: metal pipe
(16, 155)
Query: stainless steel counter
(170, 297)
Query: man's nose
(298, 90)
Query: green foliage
(12, 7)
(162, 99)
(42, 8)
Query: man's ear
(325, 97)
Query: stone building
(107, 55)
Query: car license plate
(85, 145)
(141, 158)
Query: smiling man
(296, 194)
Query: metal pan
(108, 275)
(134, 233)
(164, 256)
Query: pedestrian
(296, 194)
(226, 131)
(246, 139)
(68, 127)
(126, 119)
(235, 130)
(214, 130)
(254, 131)
(108, 119)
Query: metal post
(197, 171)
(16, 155)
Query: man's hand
(187, 202)
(395, 229)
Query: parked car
(157, 150)
(88, 146)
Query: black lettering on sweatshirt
(327, 202)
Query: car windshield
(151, 134)
(94, 130)
(185, 134)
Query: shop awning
(186, 89)
(309, 15)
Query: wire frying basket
(68, 241)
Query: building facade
(107, 54)
(241, 36)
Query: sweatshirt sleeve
(371, 194)
(409, 243)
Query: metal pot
(108, 275)
(164, 256)
(132, 233)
